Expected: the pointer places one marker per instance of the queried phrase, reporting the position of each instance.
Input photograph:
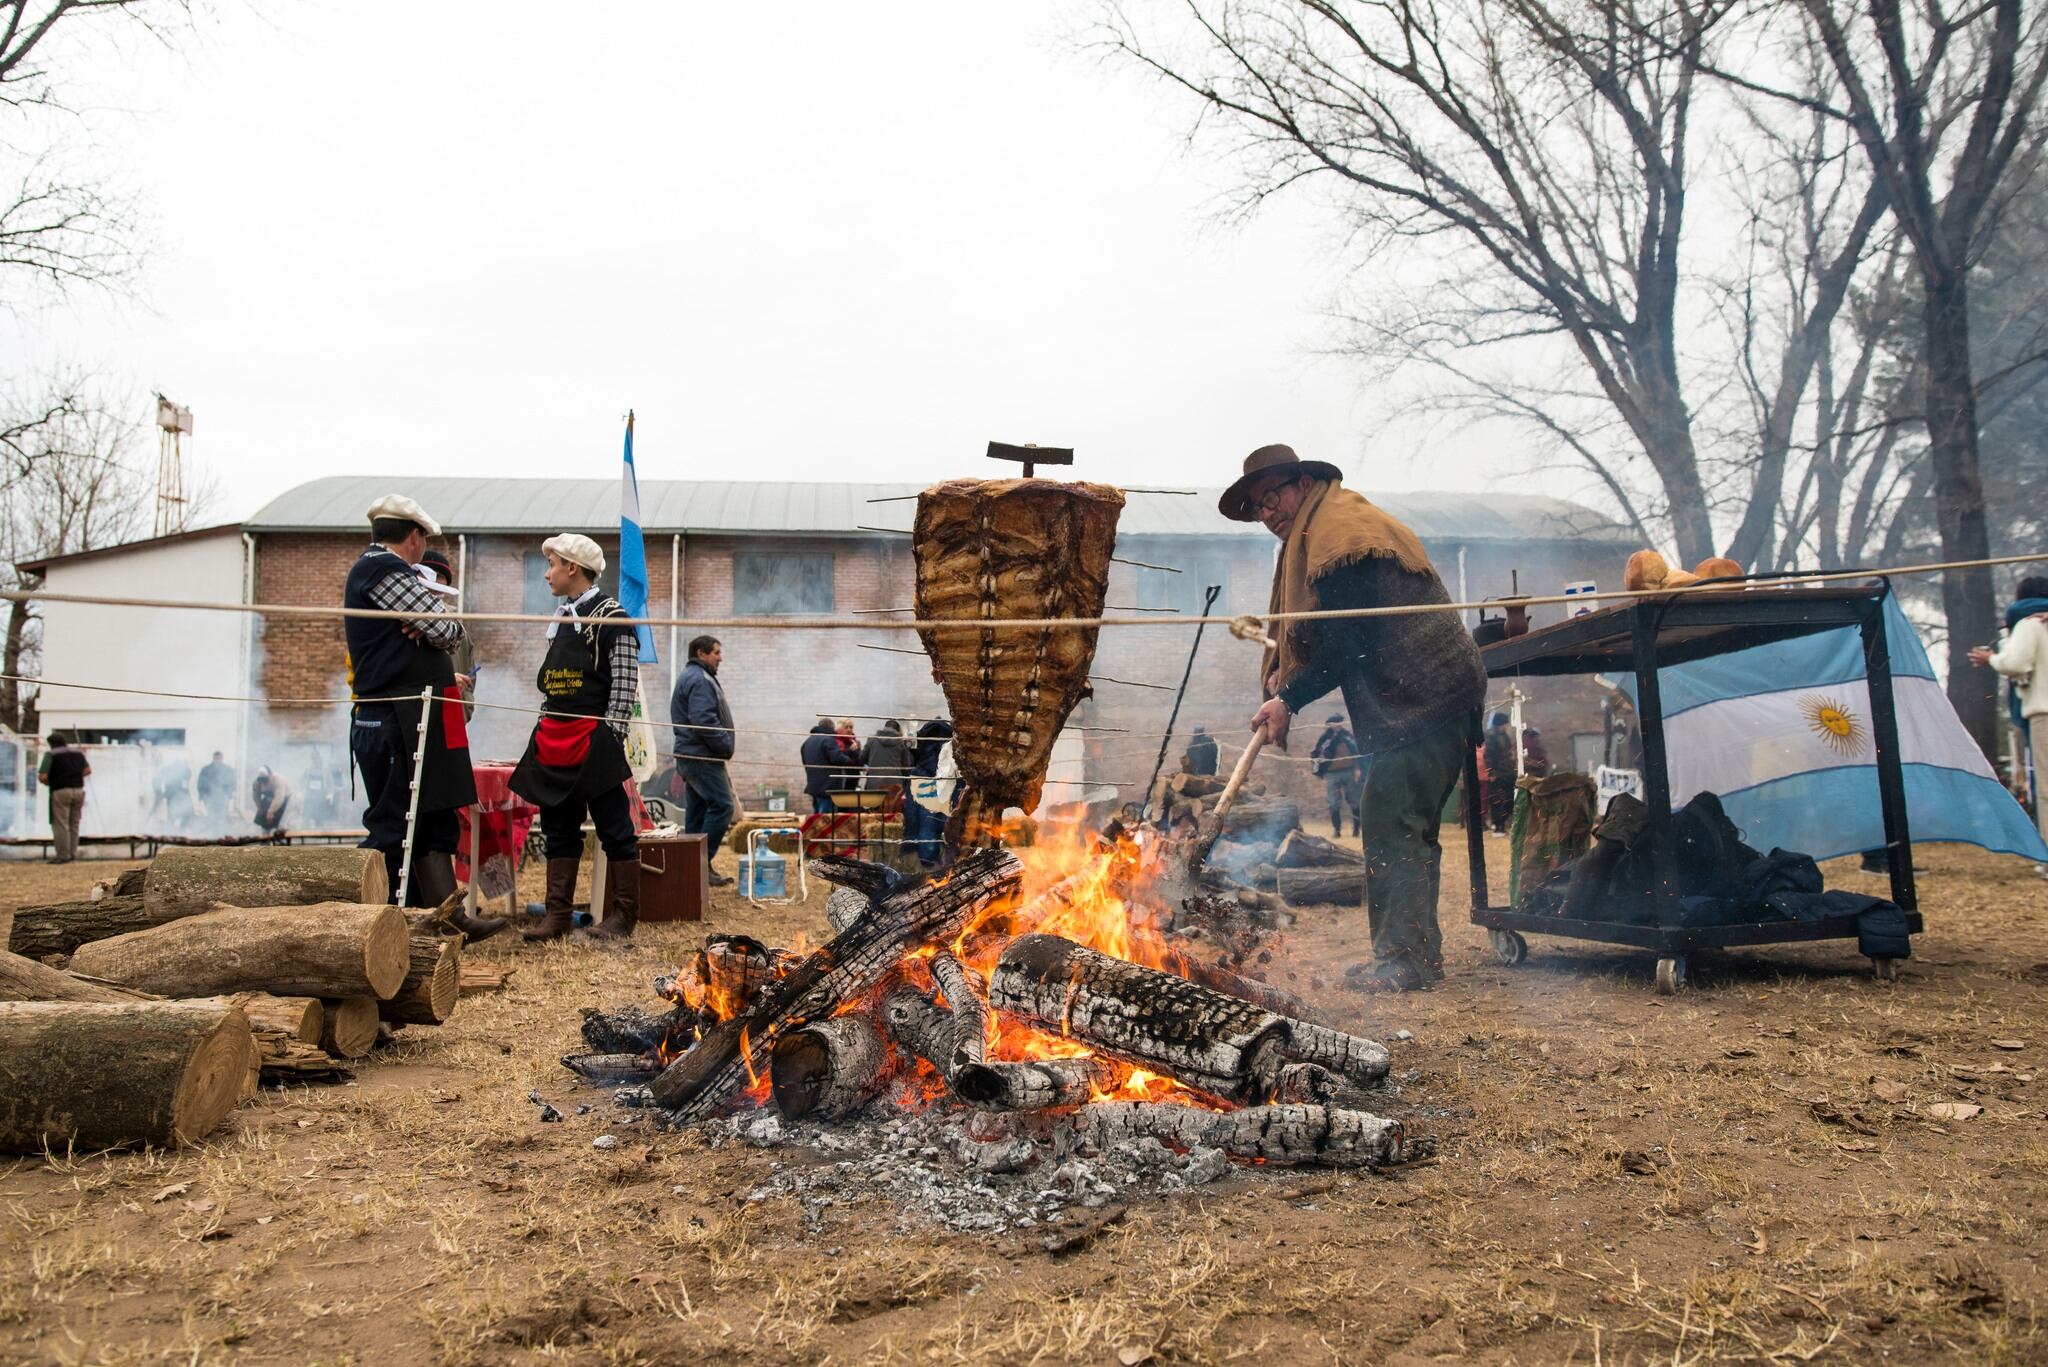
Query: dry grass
(1749, 1172)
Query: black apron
(577, 756)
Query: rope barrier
(1247, 622)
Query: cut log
(1267, 1134)
(25, 980)
(1265, 822)
(335, 949)
(61, 927)
(1311, 1084)
(1201, 1037)
(303, 1018)
(101, 1075)
(6, 926)
(612, 1069)
(733, 969)
(962, 989)
(829, 1069)
(348, 1027)
(1195, 785)
(187, 879)
(128, 882)
(1336, 887)
(482, 977)
(433, 982)
(1300, 850)
(628, 1030)
(704, 1081)
(283, 1059)
(1351, 1057)
(919, 1025)
(1033, 1084)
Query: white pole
(412, 811)
(1515, 696)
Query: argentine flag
(633, 552)
(1782, 733)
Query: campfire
(1056, 987)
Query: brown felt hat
(1265, 466)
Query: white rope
(1246, 623)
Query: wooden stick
(1213, 827)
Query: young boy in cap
(390, 662)
(576, 761)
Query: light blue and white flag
(633, 552)
(1783, 734)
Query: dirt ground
(1755, 1169)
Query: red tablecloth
(503, 820)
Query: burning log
(184, 880)
(1269, 1134)
(1342, 886)
(963, 993)
(829, 1069)
(921, 1027)
(733, 969)
(1357, 1060)
(101, 1075)
(844, 907)
(1260, 823)
(1300, 850)
(629, 1030)
(900, 917)
(1311, 1084)
(1278, 1000)
(331, 950)
(1206, 1039)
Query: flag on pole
(1782, 734)
(633, 551)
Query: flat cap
(577, 549)
(398, 505)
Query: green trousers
(1405, 792)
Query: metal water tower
(174, 424)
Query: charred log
(1268, 1134)
(1031, 1085)
(962, 990)
(612, 1069)
(829, 1069)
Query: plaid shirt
(404, 591)
(624, 665)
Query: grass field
(1756, 1169)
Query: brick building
(733, 548)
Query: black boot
(622, 897)
(554, 924)
(433, 885)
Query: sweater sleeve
(1339, 641)
(2025, 649)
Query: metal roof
(338, 503)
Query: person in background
(575, 762)
(1497, 756)
(1410, 684)
(392, 662)
(924, 827)
(174, 790)
(1201, 755)
(1535, 759)
(698, 711)
(437, 572)
(824, 758)
(2023, 658)
(217, 792)
(270, 797)
(886, 760)
(1338, 765)
(63, 772)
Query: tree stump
(101, 1075)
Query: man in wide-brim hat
(1411, 684)
(575, 763)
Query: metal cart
(1640, 637)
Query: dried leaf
(1954, 1110)
(1857, 1146)
(1130, 1355)
(1886, 1090)
(1738, 1052)
(2008, 1044)
(174, 1189)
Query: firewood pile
(1040, 1012)
(146, 1014)
(1262, 858)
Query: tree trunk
(61, 927)
(1203, 1038)
(829, 1069)
(184, 880)
(904, 917)
(1342, 887)
(348, 1026)
(331, 950)
(18, 613)
(25, 980)
(1267, 1134)
(1967, 598)
(99, 1075)
(1300, 850)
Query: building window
(1183, 592)
(766, 583)
(538, 596)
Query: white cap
(398, 505)
(577, 549)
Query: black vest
(383, 661)
(576, 674)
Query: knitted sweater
(2024, 659)
(1402, 677)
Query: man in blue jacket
(703, 726)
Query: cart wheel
(1509, 947)
(1885, 970)
(1670, 976)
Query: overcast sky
(805, 242)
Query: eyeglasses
(1269, 502)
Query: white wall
(146, 648)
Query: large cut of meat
(1007, 548)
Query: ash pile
(988, 1056)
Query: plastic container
(763, 874)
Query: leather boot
(433, 885)
(554, 924)
(622, 912)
